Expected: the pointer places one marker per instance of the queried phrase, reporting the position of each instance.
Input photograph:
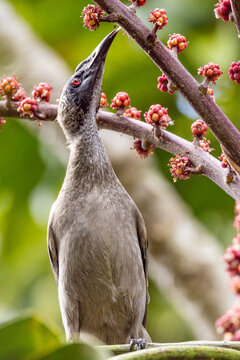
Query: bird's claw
(141, 343)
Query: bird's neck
(88, 164)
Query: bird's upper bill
(98, 56)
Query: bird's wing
(52, 251)
(143, 243)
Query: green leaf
(74, 351)
(23, 336)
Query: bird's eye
(76, 82)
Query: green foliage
(29, 337)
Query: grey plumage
(97, 239)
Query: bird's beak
(98, 56)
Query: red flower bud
(162, 84)
(121, 101)
(42, 92)
(179, 41)
(211, 71)
(27, 107)
(223, 10)
(9, 86)
(133, 113)
(139, 2)
(103, 100)
(234, 72)
(159, 18)
(158, 116)
(199, 128)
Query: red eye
(76, 82)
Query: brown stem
(218, 122)
(204, 86)
(235, 4)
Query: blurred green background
(30, 177)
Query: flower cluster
(121, 101)
(234, 72)
(42, 92)
(139, 2)
(19, 95)
(143, 152)
(223, 10)
(224, 162)
(229, 324)
(133, 113)
(177, 41)
(163, 84)
(159, 18)
(9, 86)
(179, 167)
(91, 16)
(205, 145)
(211, 71)
(199, 128)
(27, 107)
(157, 116)
(103, 100)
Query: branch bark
(235, 4)
(123, 349)
(207, 109)
(169, 142)
(181, 353)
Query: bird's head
(80, 97)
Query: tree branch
(124, 348)
(218, 122)
(181, 353)
(169, 142)
(235, 4)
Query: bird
(97, 239)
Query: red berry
(91, 16)
(177, 40)
(27, 107)
(158, 116)
(103, 100)
(179, 167)
(162, 84)
(133, 113)
(234, 72)
(142, 153)
(211, 71)
(199, 128)
(121, 101)
(223, 10)
(159, 17)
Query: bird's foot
(141, 343)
